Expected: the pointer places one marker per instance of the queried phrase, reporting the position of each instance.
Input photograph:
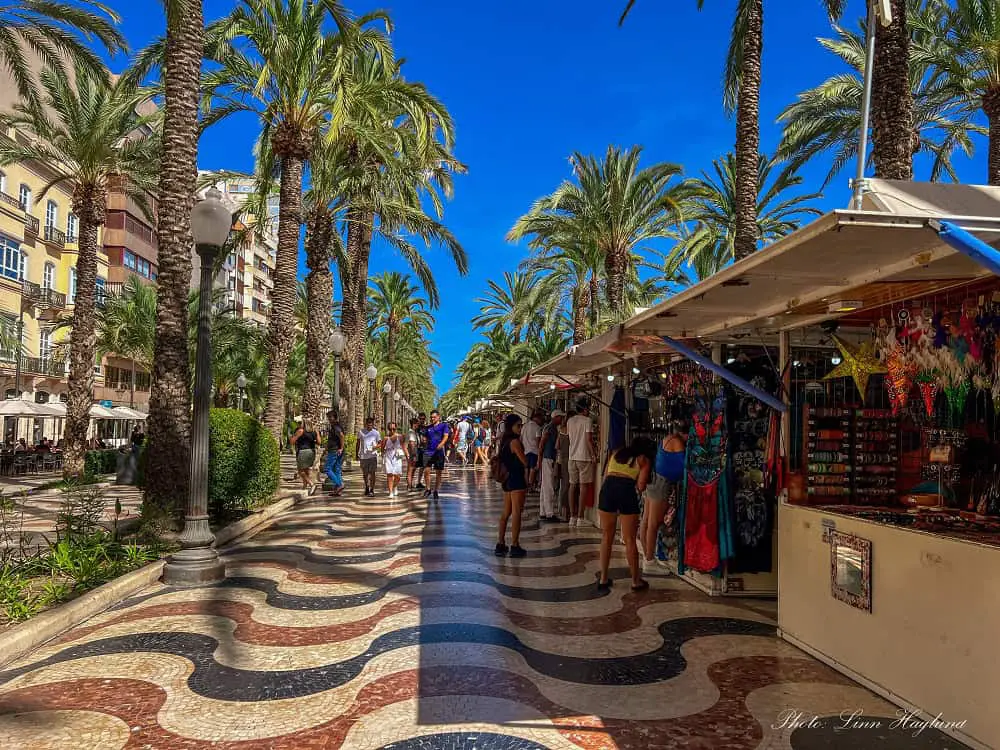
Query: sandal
(606, 586)
(641, 586)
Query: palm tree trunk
(280, 327)
(169, 452)
(991, 108)
(319, 289)
(352, 319)
(594, 303)
(748, 133)
(614, 267)
(892, 99)
(80, 390)
(580, 301)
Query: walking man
(421, 448)
(562, 468)
(549, 449)
(333, 465)
(412, 460)
(438, 435)
(581, 459)
(368, 440)
(530, 437)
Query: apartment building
(38, 255)
(247, 273)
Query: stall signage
(107, 403)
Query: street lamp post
(397, 397)
(241, 383)
(197, 562)
(386, 389)
(372, 373)
(337, 342)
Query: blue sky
(530, 81)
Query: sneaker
(436, 497)
(420, 486)
(500, 550)
(427, 493)
(650, 567)
(517, 550)
(574, 521)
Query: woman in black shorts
(625, 477)
(513, 458)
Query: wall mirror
(851, 569)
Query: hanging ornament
(858, 363)
(901, 372)
(929, 391)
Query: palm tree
(613, 206)
(827, 118)
(711, 242)
(126, 326)
(87, 131)
(516, 305)
(395, 305)
(394, 139)
(569, 281)
(179, 56)
(276, 60)
(893, 139)
(970, 65)
(51, 31)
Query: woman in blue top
(662, 492)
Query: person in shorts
(660, 497)
(412, 453)
(368, 440)
(625, 478)
(581, 459)
(531, 434)
(438, 435)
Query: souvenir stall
(888, 566)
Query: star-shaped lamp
(858, 363)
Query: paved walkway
(370, 623)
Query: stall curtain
(616, 433)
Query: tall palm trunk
(991, 108)
(280, 326)
(168, 456)
(594, 303)
(581, 300)
(319, 290)
(354, 280)
(615, 263)
(892, 99)
(89, 203)
(748, 132)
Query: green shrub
(96, 463)
(243, 464)
(350, 445)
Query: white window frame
(24, 197)
(24, 266)
(44, 344)
(10, 258)
(3, 181)
(72, 227)
(51, 213)
(49, 276)
(72, 284)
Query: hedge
(243, 465)
(96, 463)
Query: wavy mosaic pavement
(372, 624)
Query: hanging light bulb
(835, 359)
(730, 360)
(611, 378)
(796, 363)
(636, 370)
(552, 386)
(663, 376)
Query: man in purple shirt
(438, 435)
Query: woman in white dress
(393, 450)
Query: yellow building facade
(38, 254)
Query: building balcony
(31, 224)
(51, 298)
(55, 236)
(11, 201)
(54, 366)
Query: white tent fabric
(16, 407)
(125, 412)
(101, 412)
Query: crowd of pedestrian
(550, 455)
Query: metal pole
(241, 399)
(197, 562)
(866, 105)
(20, 345)
(335, 401)
(371, 398)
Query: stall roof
(883, 254)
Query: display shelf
(826, 446)
(875, 456)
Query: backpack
(498, 469)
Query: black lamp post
(241, 383)
(372, 373)
(386, 389)
(337, 342)
(197, 562)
